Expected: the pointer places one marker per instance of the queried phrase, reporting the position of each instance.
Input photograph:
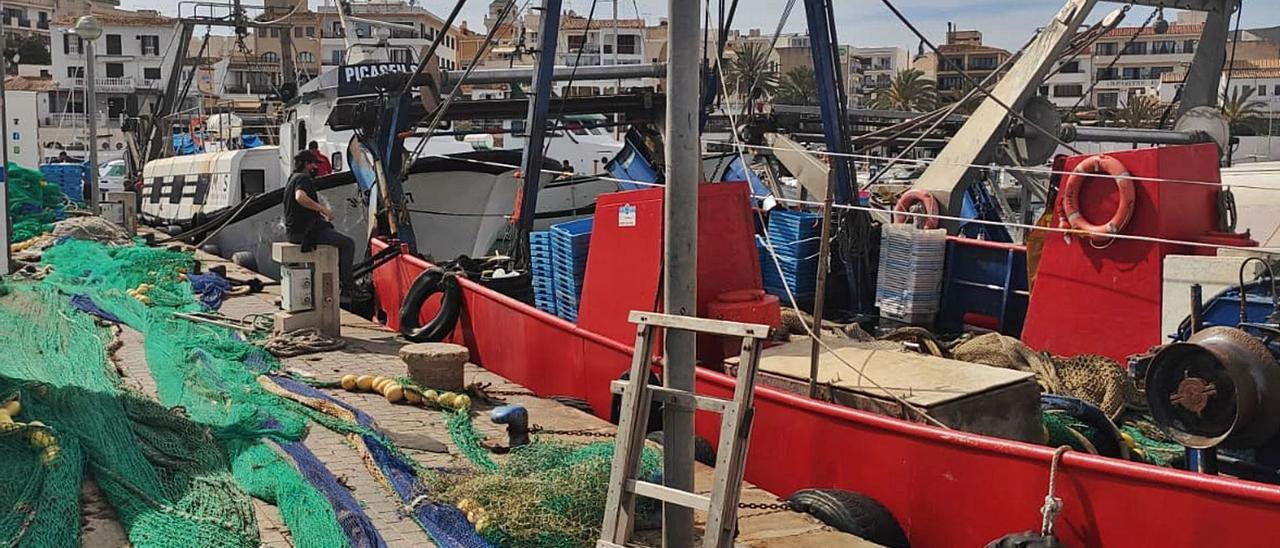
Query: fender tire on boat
(655, 410)
(430, 282)
(851, 512)
(702, 449)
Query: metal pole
(536, 121)
(819, 299)
(91, 107)
(680, 255)
(617, 89)
(6, 230)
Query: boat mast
(680, 255)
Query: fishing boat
(1101, 258)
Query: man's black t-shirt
(298, 220)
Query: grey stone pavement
(372, 350)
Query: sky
(1004, 23)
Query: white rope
(791, 298)
(1033, 170)
(1052, 504)
(912, 214)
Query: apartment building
(133, 59)
(25, 20)
(600, 42)
(416, 28)
(963, 54)
(880, 64)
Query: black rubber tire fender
(430, 282)
(851, 512)
(703, 451)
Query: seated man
(307, 221)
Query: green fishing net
(34, 204)
(545, 494)
(199, 477)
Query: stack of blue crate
(570, 242)
(795, 236)
(544, 281)
(69, 177)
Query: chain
(581, 433)
(782, 504)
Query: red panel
(624, 267)
(947, 488)
(1105, 299)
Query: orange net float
(917, 197)
(1091, 166)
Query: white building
(133, 57)
(416, 28)
(604, 42)
(1124, 63)
(880, 64)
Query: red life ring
(911, 198)
(1071, 197)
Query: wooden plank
(699, 325)
(677, 397)
(619, 516)
(667, 494)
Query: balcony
(73, 120)
(109, 85)
(1126, 84)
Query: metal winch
(1219, 388)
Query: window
(72, 44)
(275, 32)
(1068, 90)
(1070, 67)
(270, 57)
(1136, 48)
(336, 56)
(628, 44)
(1188, 46)
(306, 57)
(946, 83)
(115, 70)
(1164, 47)
(297, 32)
(1044, 91)
(1107, 100)
(1262, 91)
(1156, 72)
(1132, 73)
(400, 56)
(951, 63)
(1246, 91)
(1108, 74)
(1106, 48)
(75, 72)
(113, 45)
(311, 32)
(576, 42)
(150, 45)
(1276, 90)
(337, 28)
(982, 63)
(151, 73)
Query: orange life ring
(911, 198)
(1071, 196)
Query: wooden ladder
(735, 431)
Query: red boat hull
(947, 488)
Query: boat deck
(372, 350)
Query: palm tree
(799, 87)
(1241, 110)
(1140, 111)
(909, 90)
(750, 74)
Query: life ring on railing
(1071, 197)
(432, 281)
(912, 198)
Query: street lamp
(89, 29)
